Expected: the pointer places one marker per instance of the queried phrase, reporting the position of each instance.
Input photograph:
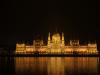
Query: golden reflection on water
(81, 65)
(57, 65)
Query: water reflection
(81, 66)
(30, 65)
(57, 65)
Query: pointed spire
(49, 39)
(62, 36)
(49, 36)
(63, 39)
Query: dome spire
(49, 39)
(62, 39)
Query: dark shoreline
(51, 55)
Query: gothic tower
(49, 40)
(63, 39)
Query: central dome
(56, 37)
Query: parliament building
(56, 45)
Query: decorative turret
(49, 39)
(63, 39)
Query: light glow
(56, 45)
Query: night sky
(25, 20)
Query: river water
(49, 65)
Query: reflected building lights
(57, 65)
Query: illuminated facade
(56, 45)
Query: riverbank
(53, 55)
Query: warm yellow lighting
(56, 44)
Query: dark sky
(29, 19)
